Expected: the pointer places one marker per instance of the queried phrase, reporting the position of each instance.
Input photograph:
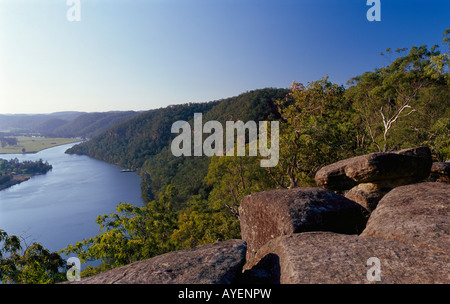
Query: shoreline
(16, 181)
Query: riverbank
(16, 179)
(13, 172)
(29, 144)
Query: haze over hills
(32, 121)
(63, 124)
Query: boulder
(440, 172)
(369, 194)
(422, 152)
(216, 263)
(409, 164)
(331, 258)
(416, 214)
(269, 214)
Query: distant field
(27, 144)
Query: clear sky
(145, 54)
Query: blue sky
(140, 55)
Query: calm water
(60, 207)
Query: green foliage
(397, 97)
(131, 143)
(233, 177)
(9, 170)
(35, 265)
(201, 222)
(24, 167)
(131, 234)
(135, 233)
(188, 173)
(317, 129)
(440, 139)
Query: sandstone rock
(216, 263)
(330, 258)
(269, 214)
(413, 164)
(416, 214)
(423, 152)
(367, 195)
(440, 172)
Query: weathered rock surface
(410, 164)
(423, 152)
(440, 172)
(369, 194)
(334, 177)
(330, 258)
(216, 263)
(416, 214)
(269, 214)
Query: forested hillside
(130, 143)
(91, 124)
(189, 173)
(143, 142)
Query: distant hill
(33, 122)
(92, 124)
(49, 125)
(63, 124)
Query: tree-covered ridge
(130, 143)
(189, 173)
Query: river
(60, 207)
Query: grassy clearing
(27, 144)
